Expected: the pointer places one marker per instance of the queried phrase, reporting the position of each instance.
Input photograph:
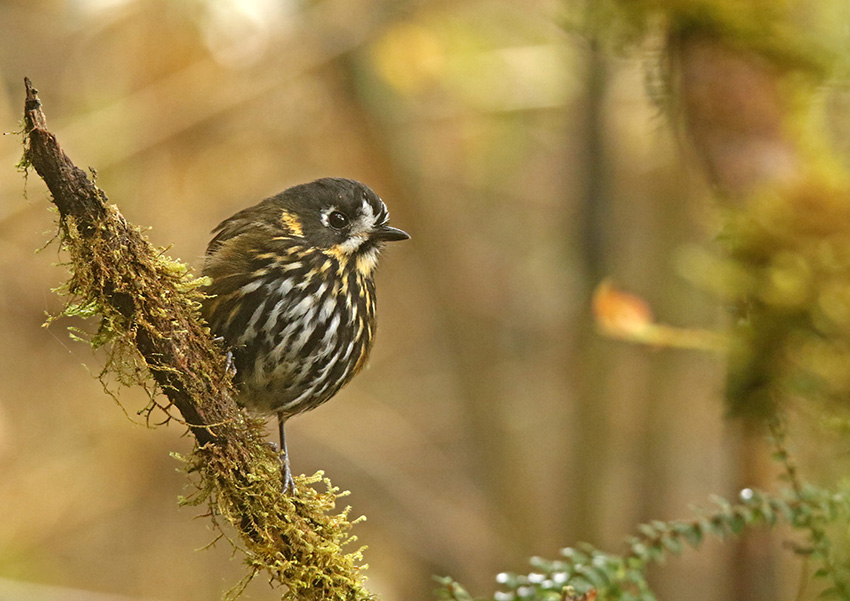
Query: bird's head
(341, 217)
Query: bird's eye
(338, 220)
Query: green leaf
(672, 544)
(717, 526)
(541, 564)
(781, 506)
(655, 553)
(768, 514)
(690, 532)
(597, 578)
(736, 523)
(639, 550)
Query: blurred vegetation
(529, 150)
(783, 225)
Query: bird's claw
(286, 474)
(229, 364)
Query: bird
(291, 293)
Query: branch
(147, 305)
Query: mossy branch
(147, 306)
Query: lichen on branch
(147, 305)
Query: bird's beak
(386, 233)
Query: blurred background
(493, 423)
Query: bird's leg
(285, 472)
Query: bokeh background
(493, 424)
